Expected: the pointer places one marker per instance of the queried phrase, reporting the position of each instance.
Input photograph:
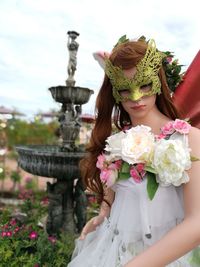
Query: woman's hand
(91, 225)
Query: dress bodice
(149, 219)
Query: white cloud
(33, 51)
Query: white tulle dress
(135, 223)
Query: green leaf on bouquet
(193, 158)
(123, 175)
(125, 168)
(150, 169)
(152, 185)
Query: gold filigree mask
(146, 75)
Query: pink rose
(160, 136)
(135, 175)
(169, 59)
(100, 161)
(140, 169)
(181, 126)
(104, 175)
(108, 176)
(115, 165)
(168, 128)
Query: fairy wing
(187, 94)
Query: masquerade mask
(145, 82)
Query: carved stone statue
(73, 48)
(55, 214)
(69, 119)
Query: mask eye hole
(146, 87)
(124, 93)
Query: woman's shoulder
(194, 140)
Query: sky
(33, 42)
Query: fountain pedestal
(67, 201)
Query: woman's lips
(138, 107)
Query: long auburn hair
(126, 55)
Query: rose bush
(26, 243)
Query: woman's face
(141, 107)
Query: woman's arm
(105, 208)
(104, 212)
(185, 236)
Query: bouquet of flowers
(138, 153)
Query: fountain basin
(69, 94)
(49, 161)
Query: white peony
(114, 146)
(171, 159)
(138, 145)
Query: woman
(145, 180)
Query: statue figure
(55, 214)
(80, 207)
(73, 48)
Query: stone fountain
(67, 201)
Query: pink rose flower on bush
(33, 235)
(3, 234)
(9, 234)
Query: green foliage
(31, 183)
(172, 71)
(122, 39)
(34, 205)
(2, 173)
(21, 132)
(152, 185)
(93, 207)
(15, 176)
(124, 172)
(195, 257)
